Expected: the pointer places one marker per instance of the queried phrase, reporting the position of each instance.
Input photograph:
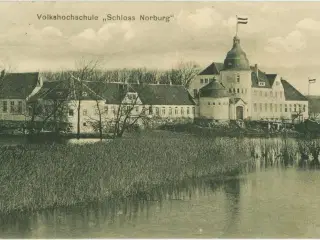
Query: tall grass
(36, 177)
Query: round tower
(236, 77)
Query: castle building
(235, 90)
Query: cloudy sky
(281, 37)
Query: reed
(34, 177)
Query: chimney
(256, 70)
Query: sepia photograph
(159, 120)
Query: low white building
(109, 102)
(15, 90)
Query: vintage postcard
(159, 119)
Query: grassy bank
(41, 176)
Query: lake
(275, 202)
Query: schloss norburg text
(109, 17)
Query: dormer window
(261, 84)
(132, 96)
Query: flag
(242, 20)
(312, 80)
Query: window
(230, 90)
(11, 106)
(238, 91)
(157, 111)
(194, 110)
(113, 110)
(299, 107)
(5, 106)
(188, 110)
(150, 110)
(286, 108)
(260, 107)
(182, 111)
(271, 94)
(137, 108)
(213, 103)
(20, 107)
(241, 90)
(255, 107)
(290, 108)
(201, 81)
(276, 94)
(71, 113)
(304, 108)
(280, 107)
(238, 78)
(84, 124)
(294, 107)
(266, 94)
(275, 107)
(163, 111)
(208, 103)
(255, 92)
(85, 112)
(261, 84)
(245, 91)
(170, 111)
(265, 107)
(260, 93)
(206, 80)
(271, 108)
(195, 92)
(176, 112)
(219, 103)
(280, 94)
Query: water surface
(268, 203)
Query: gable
(213, 69)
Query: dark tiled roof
(213, 69)
(262, 77)
(272, 78)
(214, 89)
(158, 94)
(114, 93)
(292, 94)
(18, 85)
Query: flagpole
(237, 26)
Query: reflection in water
(232, 191)
(271, 203)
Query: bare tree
(130, 109)
(186, 71)
(85, 70)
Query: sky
(281, 37)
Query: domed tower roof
(236, 58)
(214, 89)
